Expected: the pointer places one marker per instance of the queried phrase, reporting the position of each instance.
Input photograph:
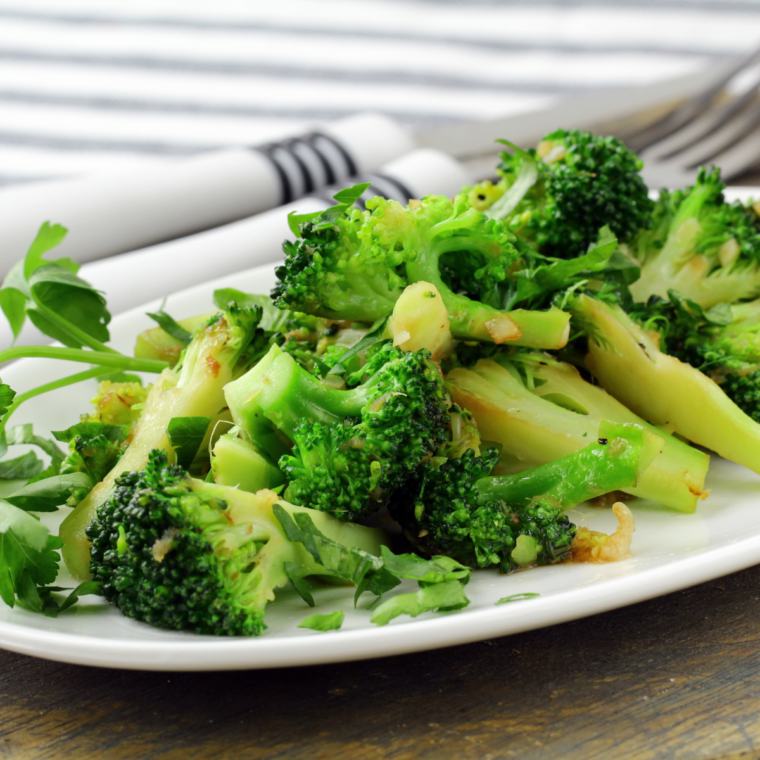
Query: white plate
(670, 551)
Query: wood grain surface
(674, 678)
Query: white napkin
(112, 213)
(131, 279)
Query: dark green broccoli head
(699, 245)
(386, 426)
(445, 514)
(168, 557)
(584, 182)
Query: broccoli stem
(619, 457)
(558, 412)
(110, 359)
(475, 320)
(278, 392)
(243, 465)
(663, 390)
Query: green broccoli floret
(184, 554)
(220, 351)
(458, 509)
(582, 182)
(353, 265)
(540, 409)
(722, 342)
(352, 449)
(699, 245)
(628, 362)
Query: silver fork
(706, 129)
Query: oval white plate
(670, 551)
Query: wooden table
(677, 677)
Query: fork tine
(739, 157)
(719, 142)
(693, 108)
(699, 130)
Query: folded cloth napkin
(131, 279)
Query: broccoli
(458, 509)
(539, 409)
(118, 403)
(181, 553)
(628, 363)
(220, 351)
(581, 183)
(353, 265)
(722, 342)
(352, 449)
(238, 461)
(699, 245)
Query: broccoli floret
(699, 245)
(457, 508)
(352, 448)
(628, 363)
(184, 554)
(583, 182)
(540, 409)
(353, 265)
(221, 350)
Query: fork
(709, 128)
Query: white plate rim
(204, 653)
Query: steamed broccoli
(237, 461)
(220, 351)
(699, 245)
(458, 509)
(629, 364)
(540, 409)
(180, 553)
(353, 265)
(722, 342)
(580, 183)
(352, 449)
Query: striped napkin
(93, 86)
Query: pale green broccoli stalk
(237, 461)
(699, 245)
(219, 352)
(629, 364)
(540, 409)
(722, 342)
(353, 265)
